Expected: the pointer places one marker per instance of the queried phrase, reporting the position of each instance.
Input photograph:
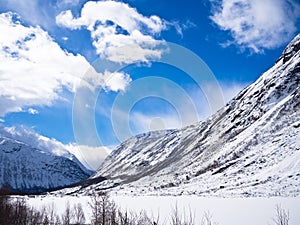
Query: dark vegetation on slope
(82, 184)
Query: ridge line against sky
(47, 46)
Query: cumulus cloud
(119, 32)
(109, 81)
(256, 24)
(32, 111)
(117, 81)
(34, 69)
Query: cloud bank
(119, 32)
(257, 25)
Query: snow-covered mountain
(250, 147)
(33, 163)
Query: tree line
(104, 211)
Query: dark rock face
(291, 49)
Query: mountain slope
(26, 168)
(250, 147)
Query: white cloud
(118, 31)
(90, 157)
(117, 81)
(32, 111)
(109, 81)
(180, 27)
(257, 24)
(34, 69)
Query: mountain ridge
(36, 167)
(250, 147)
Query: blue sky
(48, 48)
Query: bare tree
(185, 219)
(104, 211)
(207, 219)
(6, 208)
(176, 217)
(282, 216)
(79, 217)
(57, 220)
(51, 212)
(35, 217)
(123, 218)
(143, 219)
(46, 220)
(156, 219)
(95, 206)
(15, 211)
(66, 217)
(20, 211)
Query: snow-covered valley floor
(224, 211)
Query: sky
(90, 74)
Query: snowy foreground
(224, 211)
